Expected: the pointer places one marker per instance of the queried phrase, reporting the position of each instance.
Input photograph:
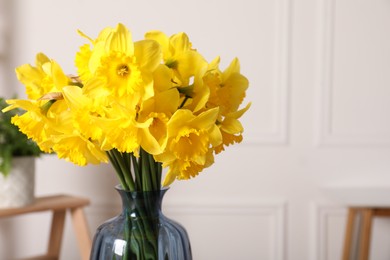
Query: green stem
(126, 162)
(159, 174)
(184, 101)
(117, 170)
(153, 172)
(147, 225)
(137, 172)
(146, 173)
(125, 172)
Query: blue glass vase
(141, 231)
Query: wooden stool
(59, 204)
(358, 231)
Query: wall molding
(327, 135)
(278, 135)
(321, 212)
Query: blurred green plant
(13, 142)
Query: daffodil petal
(234, 67)
(215, 136)
(161, 38)
(120, 40)
(169, 178)
(149, 143)
(240, 112)
(206, 119)
(232, 126)
(181, 42)
(148, 53)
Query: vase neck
(147, 203)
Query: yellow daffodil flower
(46, 77)
(33, 122)
(231, 129)
(178, 55)
(82, 113)
(227, 88)
(198, 95)
(190, 138)
(125, 67)
(227, 91)
(74, 147)
(159, 108)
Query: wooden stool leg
(349, 234)
(82, 232)
(366, 234)
(57, 228)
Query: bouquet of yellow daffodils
(144, 105)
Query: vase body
(141, 231)
(18, 188)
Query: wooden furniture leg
(349, 234)
(57, 228)
(366, 234)
(82, 232)
(58, 205)
(358, 233)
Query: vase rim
(120, 188)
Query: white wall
(318, 130)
